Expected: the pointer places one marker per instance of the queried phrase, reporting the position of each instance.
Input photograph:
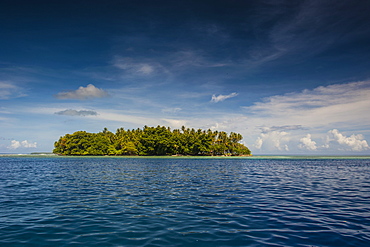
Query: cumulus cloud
(274, 140)
(353, 143)
(221, 97)
(258, 143)
(307, 143)
(83, 113)
(23, 144)
(82, 93)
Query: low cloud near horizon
(312, 121)
(307, 143)
(284, 141)
(22, 144)
(304, 121)
(351, 143)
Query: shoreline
(251, 157)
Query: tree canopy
(158, 140)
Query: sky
(293, 77)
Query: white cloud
(9, 90)
(23, 144)
(141, 121)
(117, 116)
(171, 110)
(339, 94)
(70, 112)
(14, 144)
(221, 97)
(274, 140)
(258, 143)
(26, 144)
(307, 143)
(338, 105)
(82, 93)
(144, 68)
(175, 123)
(223, 122)
(286, 119)
(343, 106)
(353, 143)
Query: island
(152, 141)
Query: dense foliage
(158, 140)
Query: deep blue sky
(292, 77)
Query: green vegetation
(158, 140)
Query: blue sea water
(54, 201)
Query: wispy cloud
(137, 67)
(83, 93)
(221, 97)
(285, 33)
(9, 90)
(83, 113)
(343, 106)
(191, 58)
(171, 110)
(339, 103)
(282, 128)
(132, 120)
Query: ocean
(258, 201)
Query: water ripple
(182, 202)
